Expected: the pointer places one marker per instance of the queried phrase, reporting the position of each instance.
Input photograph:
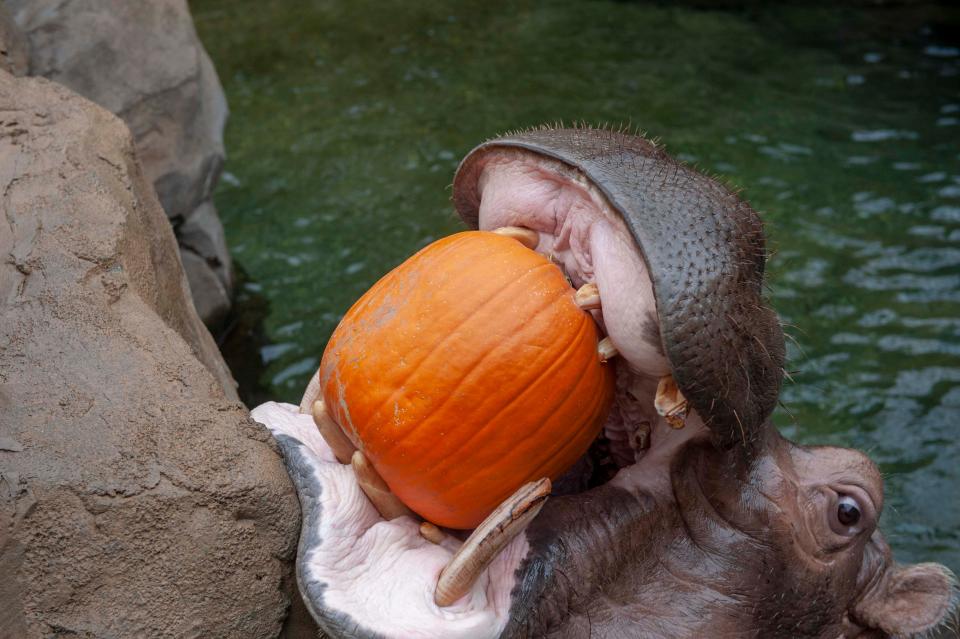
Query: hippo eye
(848, 511)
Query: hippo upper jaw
(701, 247)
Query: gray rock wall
(137, 498)
(144, 62)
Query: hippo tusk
(588, 297)
(342, 447)
(527, 237)
(482, 546)
(386, 503)
(606, 350)
(670, 402)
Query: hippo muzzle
(719, 527)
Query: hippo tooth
(670, 402)
(482, 546)
(527, 237)
(386, 503)
(312, 393)
(431, 533)
(588, 297)
(606, 349)
(342, 447)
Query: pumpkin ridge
(437, 409)
(581, 379)
(559, 361)
(395, 280)
(439, 253)
(549, 457)
(400, 386)
(538, 472)
(470, 247)
(566, 445)
(360, 306)
(467, 370)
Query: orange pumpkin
(465, 372)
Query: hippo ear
(910, 600)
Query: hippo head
(710, 524)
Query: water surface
(841, 126)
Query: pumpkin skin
(466, 372)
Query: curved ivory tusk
(482, 546)
(332, 434)
(606, 350)
(527, 237)
(588, 297)
(386, 503)
(431, 533)
(670, 402)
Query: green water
(842, 127)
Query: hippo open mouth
(694, 519)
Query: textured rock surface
(137, 498)
(13, 46)
(143, 62)
(206, 260)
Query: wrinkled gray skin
(722, 528)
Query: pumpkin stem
(670, 402)
(588, 297)
(386, 503)
(484, 544)
(606, 349)
(527, 237)
(332, 434)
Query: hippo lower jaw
(362, 576)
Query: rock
(137, 498)
(203, 235)
(13, 46)
(144, 62)
(206, 260)
(209, 296)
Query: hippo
(702, 521)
